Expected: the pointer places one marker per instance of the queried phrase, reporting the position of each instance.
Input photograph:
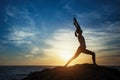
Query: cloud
(15, 15)
(104, 41)
(93, 15)
(11, 11)
(24, 34)
(22, 28)
(14, 11)
(21, 35)
(89, 15)
(29, 55)
(61, 36)
(112, 27)
(34, 52)
(62, 41)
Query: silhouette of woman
(82, 47)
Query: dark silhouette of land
(82, 47)
(76, 72)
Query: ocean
(19, 72)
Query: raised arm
(76, 24)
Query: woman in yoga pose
(82, 47)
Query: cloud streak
(23, 33)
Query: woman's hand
(76, 34)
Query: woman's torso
(81, 41)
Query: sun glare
(65, 55)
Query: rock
(76, 72)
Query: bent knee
(93, 53)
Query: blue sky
(33, 30)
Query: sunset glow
(65, 55)
(41, 32)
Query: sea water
(18, 72)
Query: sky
(41, 32)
